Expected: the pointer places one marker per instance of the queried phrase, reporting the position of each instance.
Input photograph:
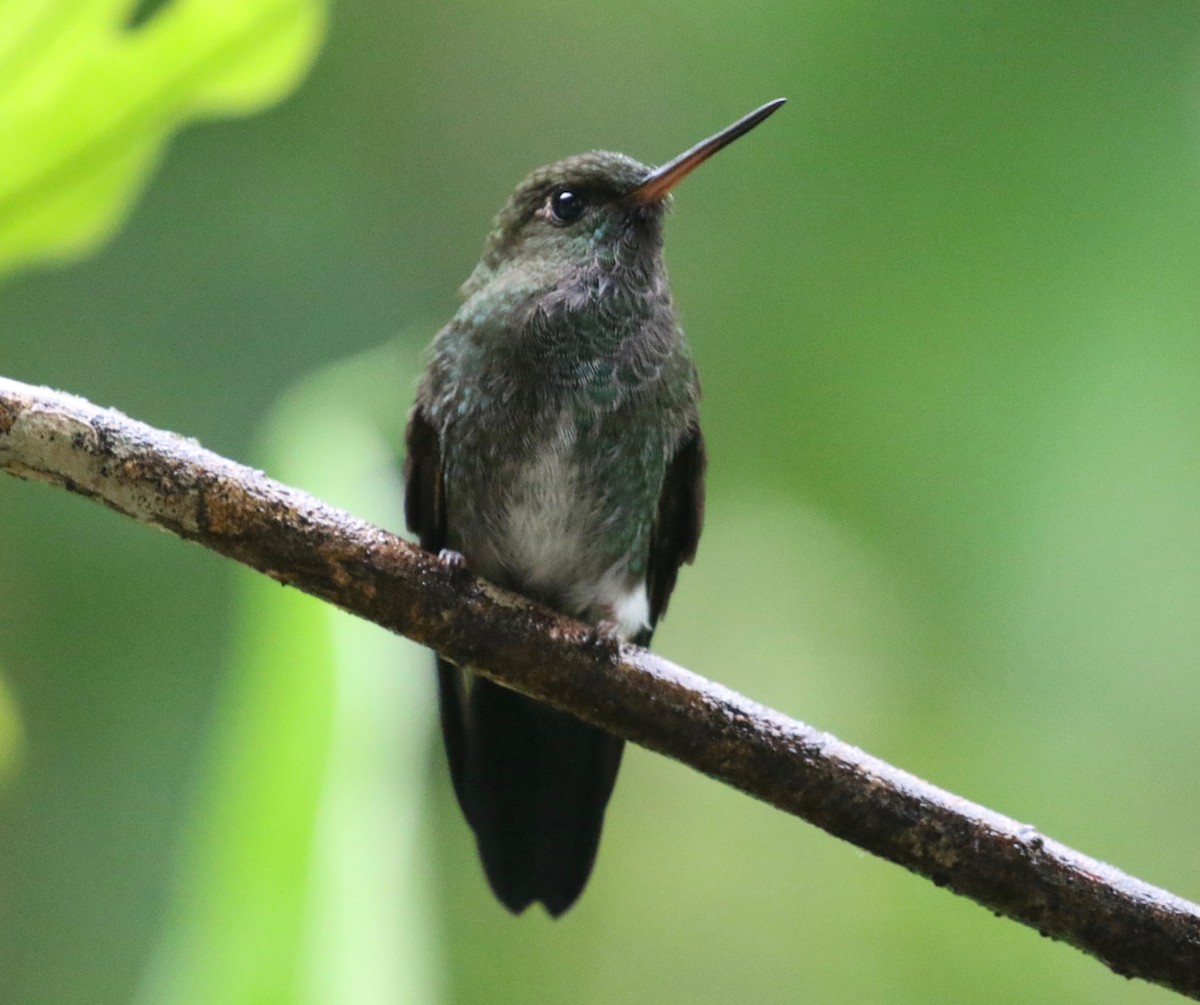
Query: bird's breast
(548, 514)
(541, 521)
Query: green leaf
(303, 875)
(87, 105)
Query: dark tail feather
(533, 783)
(454, 733)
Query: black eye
(567, 206)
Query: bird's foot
(605, 637)
(448, 558)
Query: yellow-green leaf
(302, 877)
(87, 103)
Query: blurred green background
(947, 311)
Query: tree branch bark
(173, 483)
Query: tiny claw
(448, 558)
(605, 635)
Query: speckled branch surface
(173, 483)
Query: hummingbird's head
(576, 214)
(597, 213)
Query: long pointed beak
(661, 180)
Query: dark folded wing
(424, 495)
(678, 521)
(425, 514)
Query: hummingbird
(554, 448)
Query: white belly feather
(552, 524)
